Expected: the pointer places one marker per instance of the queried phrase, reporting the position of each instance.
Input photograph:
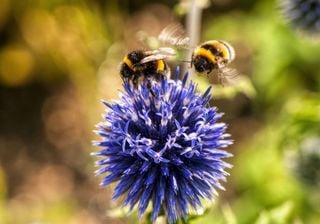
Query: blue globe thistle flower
(303, 14)
(166, 149)
(305, 162)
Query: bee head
(202, 64)
(136, 56)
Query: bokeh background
(59, 58)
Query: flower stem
(193, 25)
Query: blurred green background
(58, 58)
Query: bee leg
(161, 77)
(156, 77)
(124, 80)
(221, 79)
(135, 81)
(208, 72)
(149, 85)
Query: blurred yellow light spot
(39, 28)
(84, 217)
(4, 11)
(16, 66)
(3, 189)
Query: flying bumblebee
(214, 55)
(210, 56)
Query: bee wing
(161, 53)
(228, 76)
(174, 35)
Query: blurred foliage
(58, 58)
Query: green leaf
(279, 215)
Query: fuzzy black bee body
(141, 65)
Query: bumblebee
(151, 65)
(210, 56)
(214, 55)
(139, 65)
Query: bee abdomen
(220, 49)
(230, 50)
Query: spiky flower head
(165, 148)
(305, 163)
(303, 14)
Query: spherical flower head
(305, 163)
(164, 146)
(303, 14)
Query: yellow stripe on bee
(128, 62)
(205, 53)
(160, 65)
(225, 48)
